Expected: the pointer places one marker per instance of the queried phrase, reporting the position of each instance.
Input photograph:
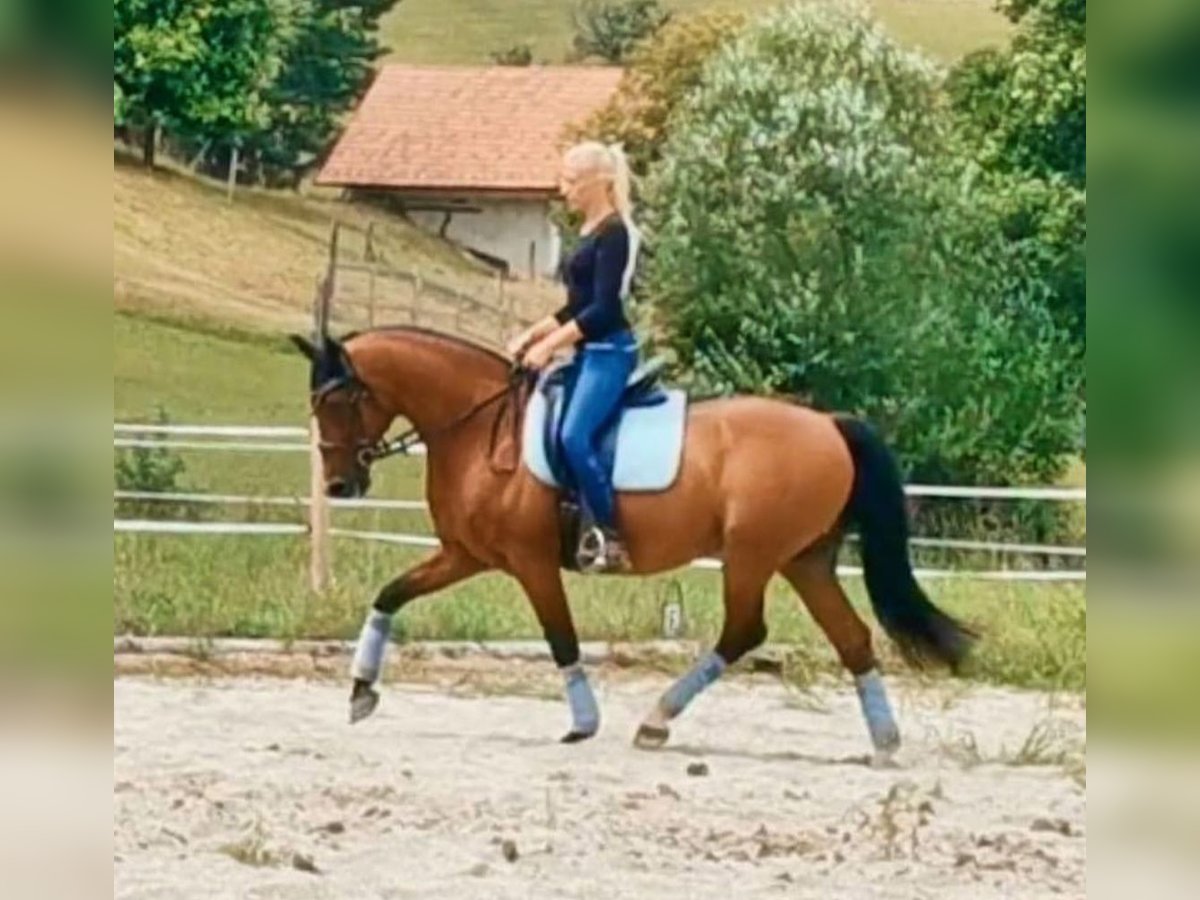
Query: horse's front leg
(543, 585)
(449, 565)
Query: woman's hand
(535, 332)
(518, 345)
(539, 355)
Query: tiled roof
(489, 128)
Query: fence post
(369, 259)
(233, 167)
(514, 321)
(318, 515)
(369, 248)
(506, 325)
(417, 287)
(318, 507)
(371, 296)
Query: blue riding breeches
(602, 369)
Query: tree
(273, 77)
(327, 65)
(815, 234)
(1021, 113)
(200, 68)
(609, 29)
(662, 70)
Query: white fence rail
(143, 436)
(155, 526)
(253, 438)
(421, 506)
(257, 431)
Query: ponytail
(621, 183)
(621, 189)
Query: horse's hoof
(574, 737)
(651, 737)
(363, 700)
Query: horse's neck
(427, 381)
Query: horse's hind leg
(744, 587)
(813, 574)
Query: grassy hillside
(180, 248)
(467, 31)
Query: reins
(404, 442)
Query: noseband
(356, 393)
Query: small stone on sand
(509, 849)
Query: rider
(595, 182)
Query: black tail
(922, 631)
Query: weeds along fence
(312, 522)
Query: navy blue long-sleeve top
(598, 274)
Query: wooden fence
(371, 291)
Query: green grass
(218, 585)
(203, 374)
(468, 31)
(214, 586)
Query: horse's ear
(305, 346)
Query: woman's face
(584, 188)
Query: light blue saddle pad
(649, 445)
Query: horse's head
(350, 421)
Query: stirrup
(601, 550)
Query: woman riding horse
(594, 183)
(765, 485)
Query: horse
(765, 485)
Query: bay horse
(765, 485)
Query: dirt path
(234, 787)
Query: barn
(471, 152)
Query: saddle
(641, 445)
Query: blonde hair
(611, 162)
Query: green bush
(1024, 107)
(151, 469)
(609, 29)
(516, 55)
(1020, 111)
(814, 234)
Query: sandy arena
(456, 788)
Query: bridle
(367, 452)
